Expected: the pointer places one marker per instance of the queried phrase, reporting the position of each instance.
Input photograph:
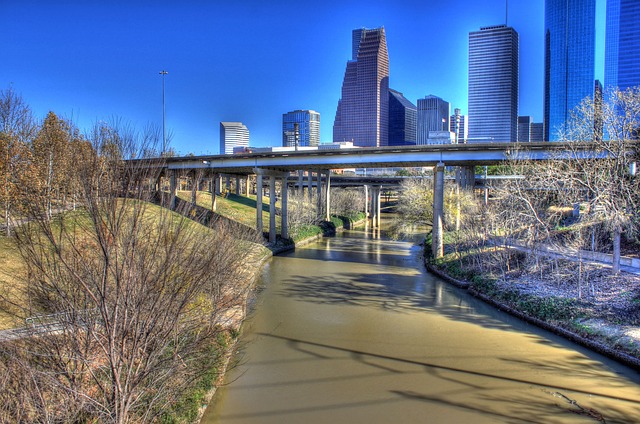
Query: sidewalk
(627, 264)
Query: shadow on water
(523, 408)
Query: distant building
(433, 115)
(402, 120)
(458, 126)
(233, 134)
(569, 60)
(441, 137)
(493, 84)
(301, 128)
(524, 128)
(537, 131)
(362, 115)
(622, 45)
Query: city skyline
(221, 58)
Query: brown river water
(352, 329)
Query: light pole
(164, 137)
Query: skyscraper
(362, 114)
(458, 126)
(233, 134)
(402, 120)
(433, 115)
(493, 84)
(622, 45)
(524, 128)
(569, 51)
(300, 128)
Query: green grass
(12, 277)
(239, 208)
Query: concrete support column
(327, 196)
(437, 244)
(284, 200)
(366, 202)
(238, 184)
(374, 207)
(259, 225)
(319, 193)
(466, 177)
(172, 189)
(300, 186)
(309, 183)
(194, 187)
(272, 209)
(214, 199)
(247, 185)
(378, 208)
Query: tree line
(129, 304)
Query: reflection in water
(352, 329)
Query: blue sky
(248, 61)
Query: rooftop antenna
(506, 14)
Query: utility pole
(164, 136)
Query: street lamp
(164, 137)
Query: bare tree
(129, 297)
(604, 182)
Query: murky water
(353, 330)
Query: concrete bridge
(290, 167)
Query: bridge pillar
(238, 184)
(259, 225)
(212, 190)
(272, 209)
(327, 196)
(366, 202)
(172, 190)
(378, 208)
(437, 247)
(309, 184)
(300, 186)
(284, 208)
(247, 185)
(465, 177)
(195, 181)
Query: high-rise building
(622, 45)
(569, 51)
(402, 120)
(362, 115)
(458, 125)
(537, 131)
(524, 128)
(433, 115)
(493, 84)
(233, 134)
(300, 128)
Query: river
(352, 329)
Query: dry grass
(12, 277)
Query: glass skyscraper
(362, 115)
(402, 120)
(233, 134)
(569, 30)
(433, 115)
(493, 84)
(300, 128)
(622, 45)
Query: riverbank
(600, 312)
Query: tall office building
(622, 45)
(402, 120)
(569, 60)
(537, 131)
(362, 115)
(433, 115)
(233, 134)
(300, 128)
(458, 126)
(524, 128)
(493, 84)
